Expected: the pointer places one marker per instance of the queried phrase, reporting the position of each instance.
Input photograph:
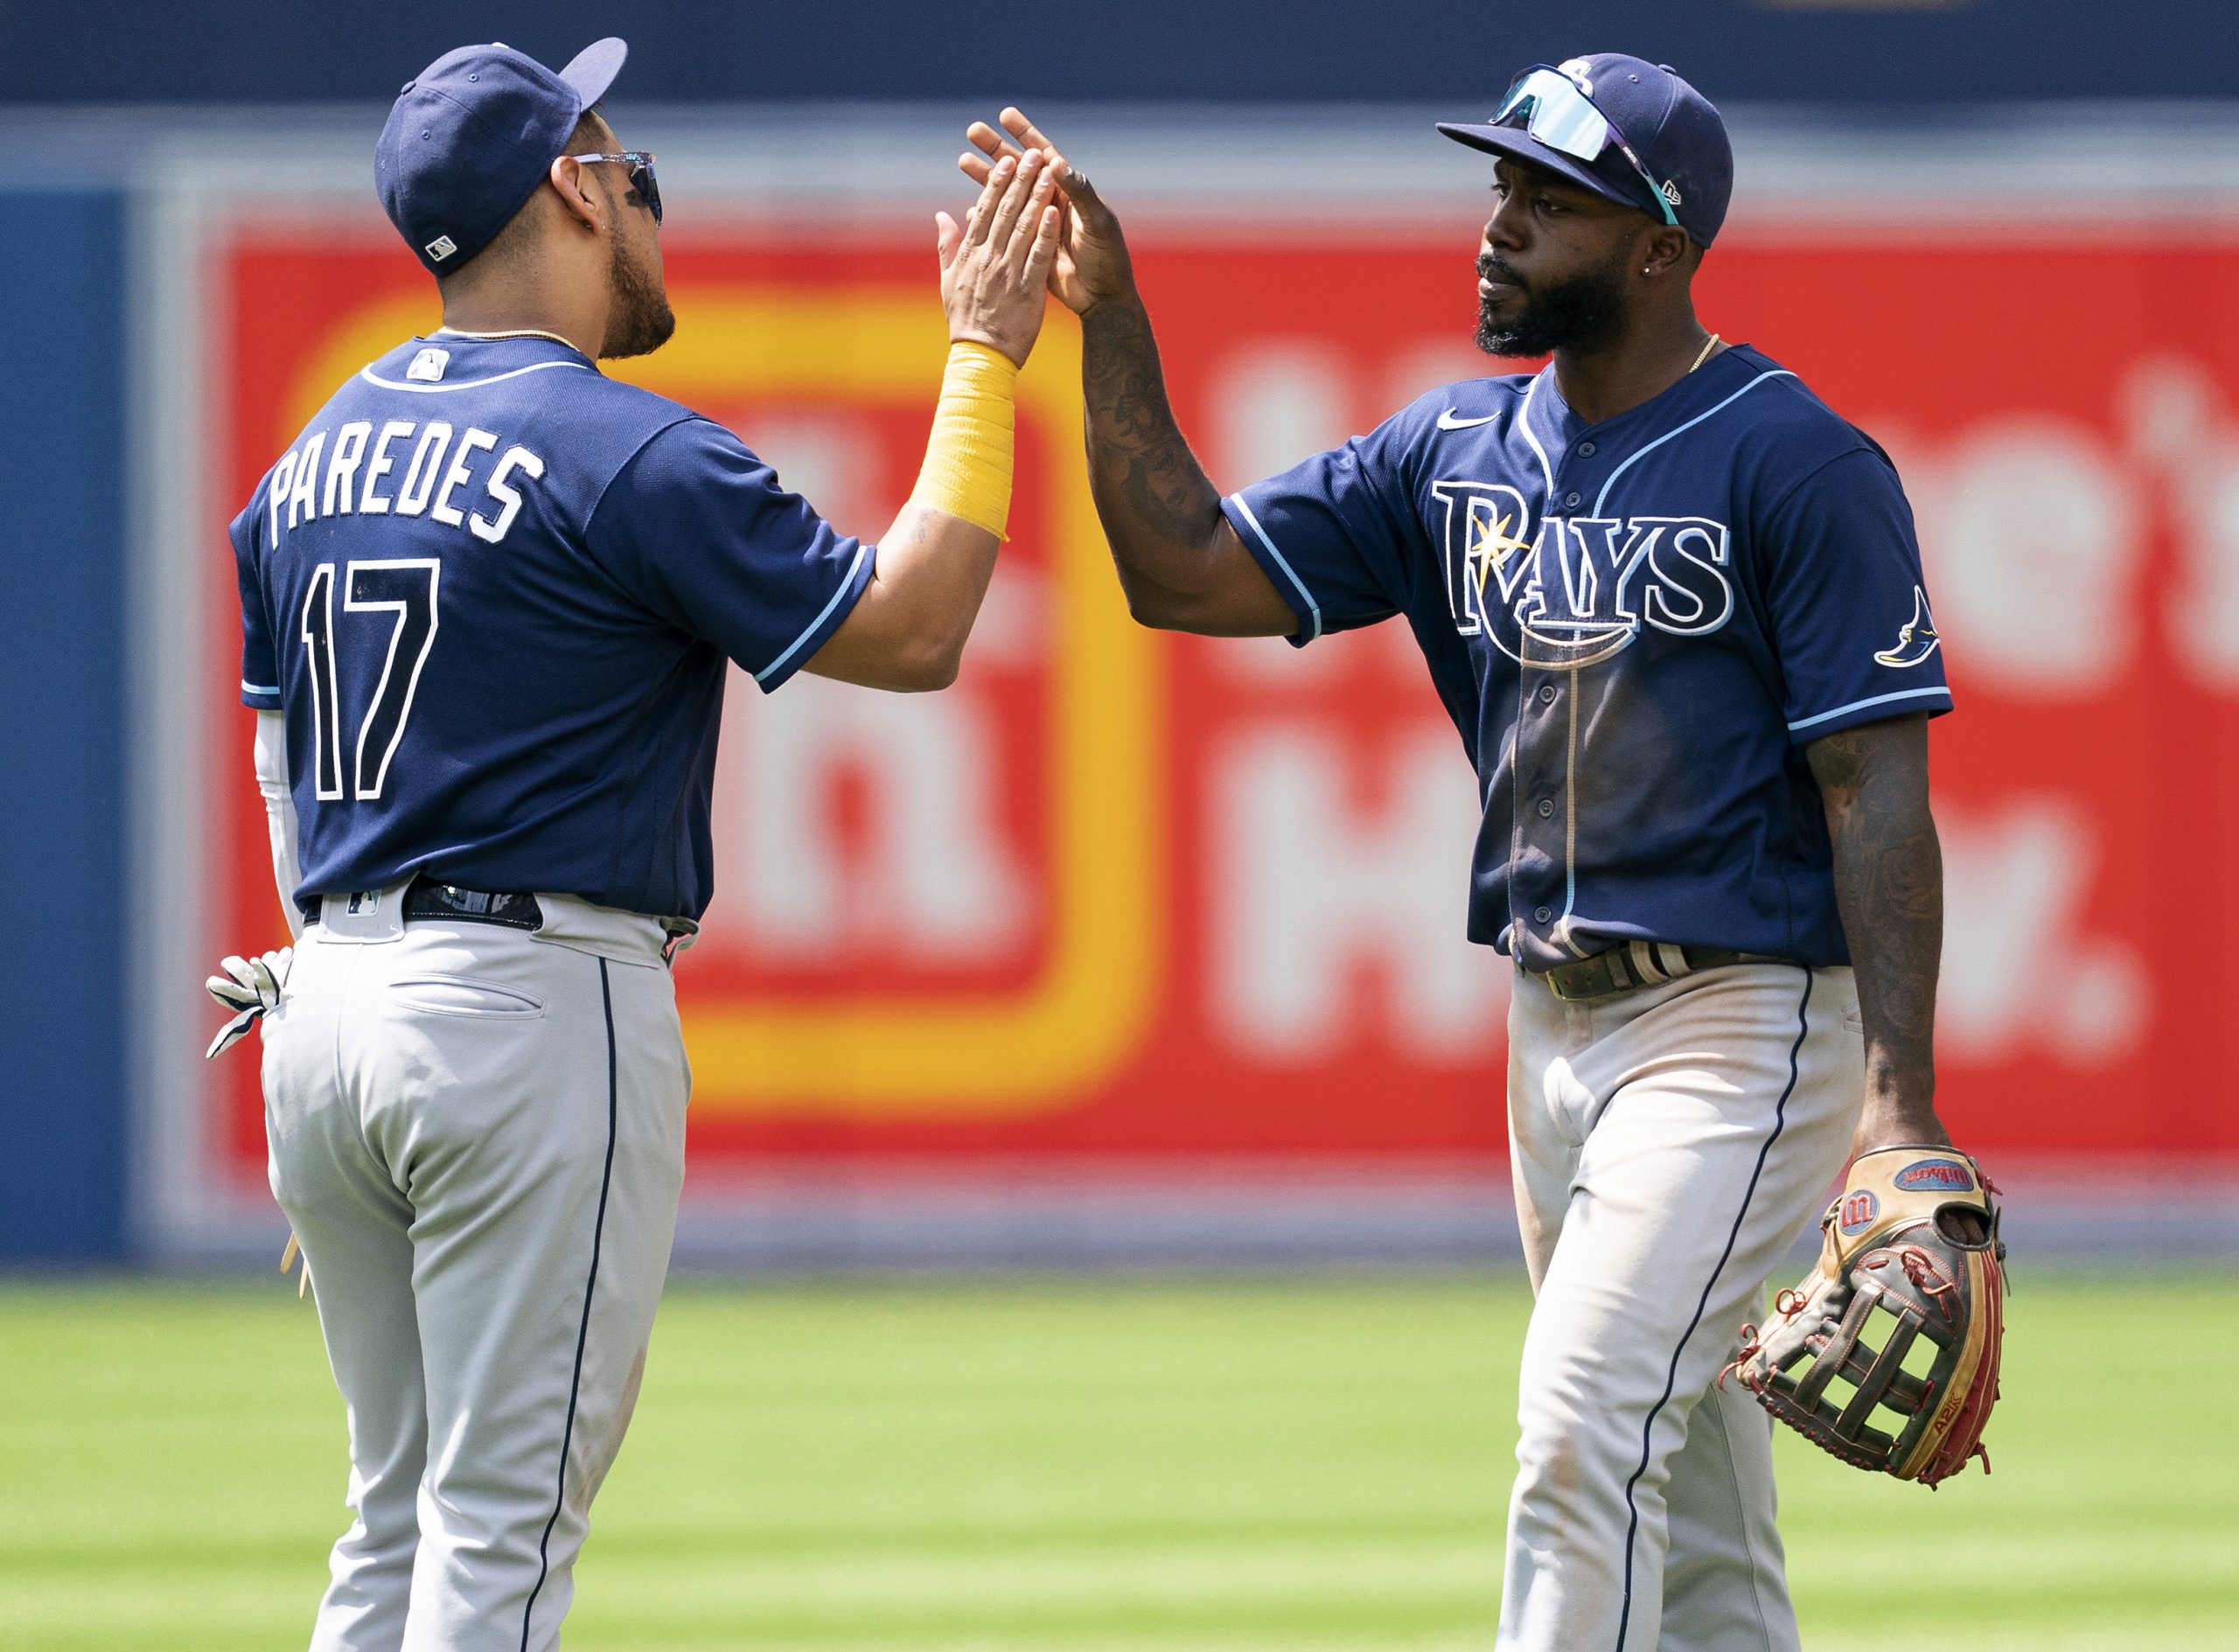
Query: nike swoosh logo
(1447, 422)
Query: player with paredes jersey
(1674, 607)
(489, 597)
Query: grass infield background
(1295, 1463)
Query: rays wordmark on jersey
(1580, 590)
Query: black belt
(1633, 964)
(426, 900)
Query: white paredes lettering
(295, 493)
(509, 499)
(370, 503)
(276, 492)
(302, 494)
(342, 468)
(427, 464)
(1311, 895)
(445, 512)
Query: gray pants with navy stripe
(479, 1133)
(1669, 1146)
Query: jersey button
(1541, 914)
(1546, 807)
(1546, 693)
(1570, 501)
(1585, 450)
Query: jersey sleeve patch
(1851, 618)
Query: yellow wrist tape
(968, 457)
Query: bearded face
(1537, 320)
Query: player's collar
(1562, 426)
(500, 337)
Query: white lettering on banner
(1306, 892)
(2180, 429)
(2021, 972)
(2030, 527)
(831, 460)
(1275, 404)
(932, 877)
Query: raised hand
(995, 266)
(1091, 265)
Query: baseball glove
(1911, 1261)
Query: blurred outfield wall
(1136, 946)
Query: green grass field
(1312, 1463)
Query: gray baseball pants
(1669, 1146)
(479, 1133)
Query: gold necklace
(517, 332)
(1711, 344)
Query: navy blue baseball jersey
(1637, 626)
(494, 591)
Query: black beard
(1580, 313)
(640, 321)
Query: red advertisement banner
(1126, 893)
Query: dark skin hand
(1180, 563)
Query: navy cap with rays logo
(1631, 131)
(470, 137)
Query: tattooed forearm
(1888, 873)
(1157, 504)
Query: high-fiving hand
(995, 266)
(1092, 266)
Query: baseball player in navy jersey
(1674, 607)
(488, 599)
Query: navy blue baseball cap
(1632, 132)
(471, 137)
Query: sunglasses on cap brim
(1549, 106)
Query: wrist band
(967, 471)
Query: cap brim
(592, 70)
(1519, 145)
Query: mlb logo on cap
(470, 137)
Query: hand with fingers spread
(1091, 265)
(996, 265)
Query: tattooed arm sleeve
(1180, 562)
(1889, 888)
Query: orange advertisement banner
(1126, 893)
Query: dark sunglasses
(640, 163)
